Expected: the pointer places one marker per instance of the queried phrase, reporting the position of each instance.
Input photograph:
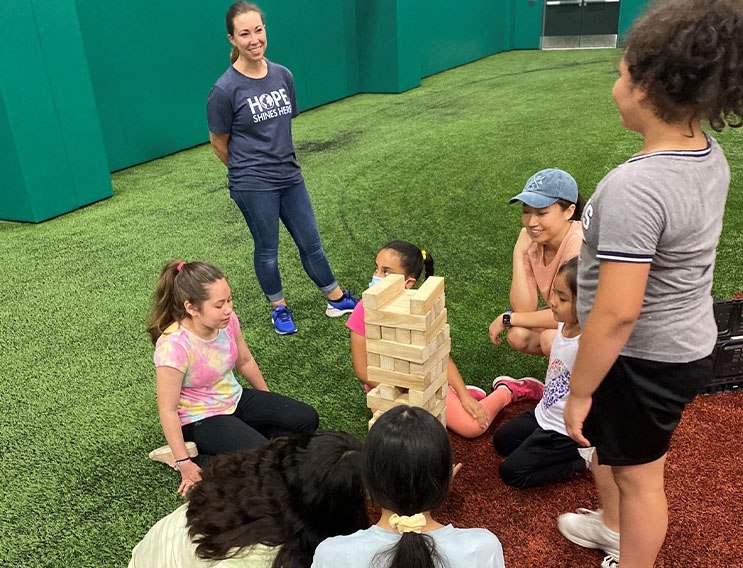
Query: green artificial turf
(435, 165)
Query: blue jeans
(262, 211)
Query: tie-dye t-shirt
(209, 386)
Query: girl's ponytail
(414, 550)
(427, 263)
(414, 260)
(164, 310)
(179, 282)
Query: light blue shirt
(462, 548)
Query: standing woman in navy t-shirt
(249, 111)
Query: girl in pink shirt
(469, 411)
(552, 234)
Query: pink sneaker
(527, 388)
(476, 392)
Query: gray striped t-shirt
(666, 209)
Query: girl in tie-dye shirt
(198, 345)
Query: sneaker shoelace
(283, 316)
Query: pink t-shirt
(356, 320)
(545, 274)
(209, 386)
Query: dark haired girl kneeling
(265, 508)
(407, 468)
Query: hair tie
(424, 255)
(404, 524)
(180, 266)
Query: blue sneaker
(281, 316)
(344, 305)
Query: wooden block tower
(407, 345)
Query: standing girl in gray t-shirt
(249, 111)
(645, 277)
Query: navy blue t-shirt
(257, 114)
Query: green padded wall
(628, 11)
(525, 24)
(402, 41)
(152, 86)
(49, 131)
(127, 82)
(383, 60)
(152, 64)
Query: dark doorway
(570, 24)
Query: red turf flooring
(704, 485)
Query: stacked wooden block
(407, 345)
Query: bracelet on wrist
(177, 464)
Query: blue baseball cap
(547, 186)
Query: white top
(462, 548)
(549, 411)
(167, 545)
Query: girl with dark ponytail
(469, 411)
(407, 471)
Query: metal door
(572, 24)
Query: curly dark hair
(687, 55)
(293, 493)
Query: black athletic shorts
(638, 406)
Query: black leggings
(535, 456)
(259, 415)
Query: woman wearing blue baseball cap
(552, 234)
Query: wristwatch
(507, 318)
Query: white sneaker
(610, 562)
(586, 528)
(164, 455)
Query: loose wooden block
(373, 331)
(389, 392)
(441, 353)
(409, 381)
(425, 296)
(419, 398)
(427, 404)
(384, 291)
(372, 360)
(389, 334)
(389, 318)
(415, 353)
(402, 366)
(376, 402)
